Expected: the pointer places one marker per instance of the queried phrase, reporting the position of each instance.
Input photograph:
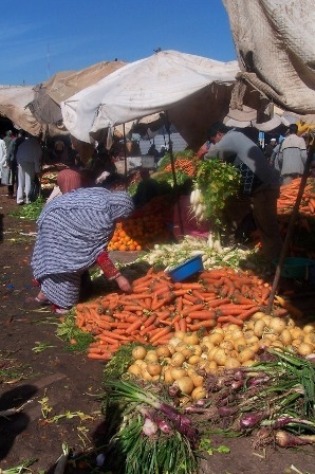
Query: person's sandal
(44, 302)
(56, 309)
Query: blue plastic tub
(186, 269)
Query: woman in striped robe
(73, 233)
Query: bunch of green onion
(154, 436)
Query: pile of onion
(188, 356)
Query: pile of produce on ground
(185, 165)
(288, 195)
(184, 360)
(150, 224)
(48, 176)
(214, 255)
(157, 307)
(152, 428)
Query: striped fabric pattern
(62, 290)
(74, 229)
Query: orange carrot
(179, 292)
(195, 307)
(158, 303)
(176, 326)
(217, 302)
(202, 324)
(182, 325)
(149, 320)
(104, 356)
(202, 314)
(113, 335)
(192, 298)
(233, 309)
(188, 286)
(179, 303)
(140, 289)
(247, 313)
(159, 334)
(134, 326)
(230, 319)
(162, 340)
(187, 302)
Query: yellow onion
(198, 393)
(177, 359)
(191, 338)
(139, 352)
(154, 368)
(135, 370)
(305, 349)
(185, 384)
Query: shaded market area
(157, 291)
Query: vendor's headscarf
(69, 179)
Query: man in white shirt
(28, 157)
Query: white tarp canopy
(13, 101)
(276, 49)
(178, 83)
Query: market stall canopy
(46, 104)
(276, 50)
(193, 90)
(13, 102)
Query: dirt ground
(59, 389)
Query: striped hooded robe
(73, 230)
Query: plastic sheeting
(49, 95)
(276, 49)
(13, 101)
(193, 90)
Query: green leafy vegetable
(218, 182)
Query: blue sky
(41, 37)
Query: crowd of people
(79, 217)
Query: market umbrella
(184, 85)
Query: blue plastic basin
(186, 269)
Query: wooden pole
(170, 149)
(125, 154)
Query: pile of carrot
(183, 164)
(157, 307)
(288, 194)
